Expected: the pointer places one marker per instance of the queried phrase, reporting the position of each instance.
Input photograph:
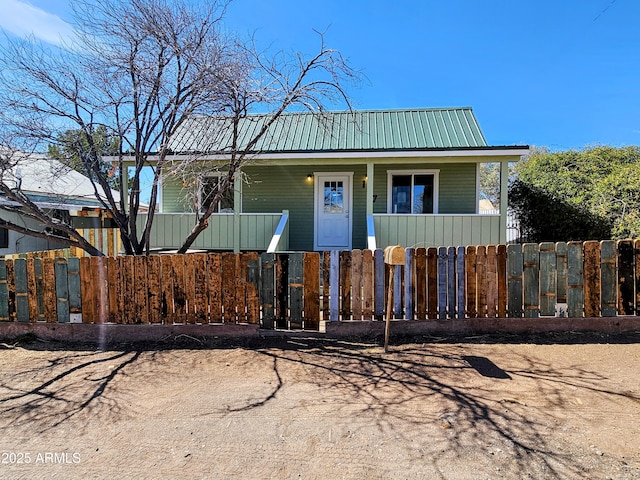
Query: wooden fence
(298, 290)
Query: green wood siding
(169, 231)
(436, 230)
(277, 188)
(174, 196)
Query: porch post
(504, 199)
(369, 188)
(236, 211)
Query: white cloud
(23, 19)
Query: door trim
(316, 202)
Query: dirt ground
(484, 407)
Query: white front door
(333, 211)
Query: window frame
(201, 185)
(413, 173)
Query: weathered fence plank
(492, 281)
(22, 296)
(561, 267)
(87, 290)
(379, 276)
(62, 289)
(548, 279)
(442, 283)
(625, 277)
(531, 279)
(140, 297)
(311, 299)
(470, 269)
(4, 293)
(190, 289)
(214, 274)
(421, 283)
(326, 270)
(166, 286)
(296, 285)
(397, 291)
(229, 287)
(282, 279)
(75, 297)
(636, 251)
(575, 280)
(501, 259)
(99, 268)
(32, 290)
(267, 290)
(481, 280)
(127, 288)
(113, 278)
(409, 307)
(252, 285)
(334, 286)
(432, 282)
(345, 284)
(50, 301)
(11, 288)
(241, 288)
(200, 307)
(356, 283)
(451, 282)
(461, 277)
(591, 279)
(154, 293)
(367, 284)
(608, 278)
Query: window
(333, 197)
(208, 191)
(4, 238)
(413, 192)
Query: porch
(269, 232)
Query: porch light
(309, 177)
(364, 181)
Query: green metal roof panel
(367, 130)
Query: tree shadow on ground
(56, 389)
(474, 417)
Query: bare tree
(141, 69)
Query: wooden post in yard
(393, 255)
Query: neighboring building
(346, 180)
(59, 190)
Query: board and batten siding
(436, 230)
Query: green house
(345, 180)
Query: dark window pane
(401, 194)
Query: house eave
(509, 152)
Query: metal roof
(364, 130)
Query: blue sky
(556, 73)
